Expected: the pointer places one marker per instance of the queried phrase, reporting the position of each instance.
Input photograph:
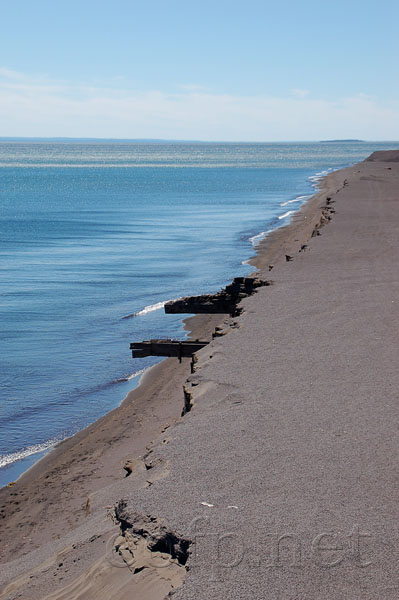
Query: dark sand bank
(292, 442)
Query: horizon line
(183, 141)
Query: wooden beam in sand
(170, 348)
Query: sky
(200, 70)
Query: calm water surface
(93, 232)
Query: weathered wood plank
(166, 347)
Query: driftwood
(223, 302)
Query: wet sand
(291, 442)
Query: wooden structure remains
(173, 348)
(223, 302)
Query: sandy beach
(281, 480)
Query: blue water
(93, 232)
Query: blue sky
(221, 70)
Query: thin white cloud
(9, 74)
(41, 107)
(297, 93)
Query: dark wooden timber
(223, 302)
(168, 347)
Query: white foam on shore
(151, 308)
(255, 239)
(132, 376)
(298, 199)
(287, 214)
(8, 459)
(148, 309)
(318, 176)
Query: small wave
(298, 199)
(8, 459)
(315, 178)
(146, 310)
(255, 239)
(130, 377)
(287, 214)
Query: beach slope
(280, 481)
